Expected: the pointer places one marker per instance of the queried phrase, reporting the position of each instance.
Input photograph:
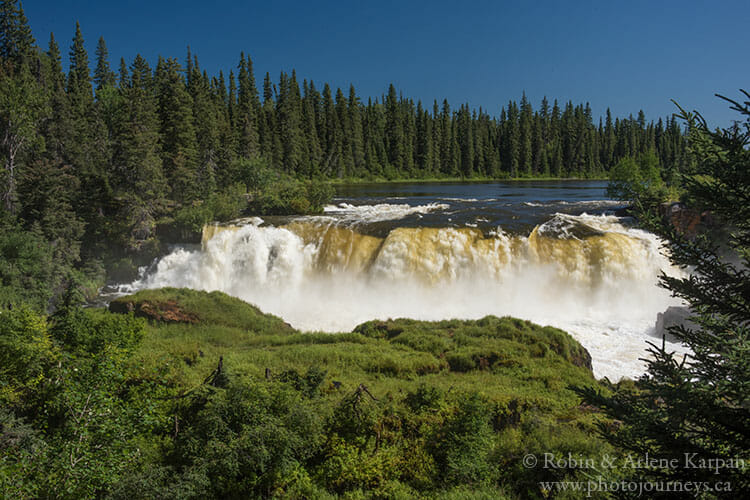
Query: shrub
(92, 331)
(463, 446)
(28, 272)
(26, 352)
(288, 196)
(637, 179)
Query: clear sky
(626, 55)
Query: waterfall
(589, 275)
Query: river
(552, 252)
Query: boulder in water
(673, 316)
(565, 227)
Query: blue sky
(626, 55)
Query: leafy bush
(26, 352)
(461, 361)
(464, 443)
(92, 331)
(289, 196)
(28, 272)
(637, 179)
(75, 414)
(424, 398)
(255, 173)
(219, 207)
(248, 440)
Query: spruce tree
(558, 167)
(79, 78)
(537, 146)
(394, 130)
(437, 135)
(310, 130)
(512, 140)
(16, 40)
(226, 168)
(139, 182)
(80, 94)
(332, 142)
(289, 112)
(232, 101)
(206, 117)
(247, 109)
(57, 131)
(568, 140)
(446, 160)
(480, 143)
(410, 136)
(48, 186)
(347, 156)
(316, 101)
(424, 141)
(525, 133)
(123, 76)
(609, 141)
(356, 134)
(695, 407)
(22, 108)
(379, 122)
(269, 136)
(455, 149)
(466, 142)
(544, 114)
(371, 162)
(88, 148)
(179, 146)
(103, 74)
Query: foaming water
(590, 275)
(380, 212)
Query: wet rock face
(673, 316)
(582, 358)
(168, 311)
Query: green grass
(504, 358)
(422, 375)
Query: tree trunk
(9, 193)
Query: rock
(582, 358)
(673, 316)
(687, 221)
(167, 311)
(624, 211)
(121, 307)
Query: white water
(588, 275)
(381, 212)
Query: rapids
(591, 275)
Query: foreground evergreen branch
(697, 406)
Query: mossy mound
(182, 305)
(482, 343)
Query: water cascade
(590, 275)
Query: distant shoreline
(448, 180)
